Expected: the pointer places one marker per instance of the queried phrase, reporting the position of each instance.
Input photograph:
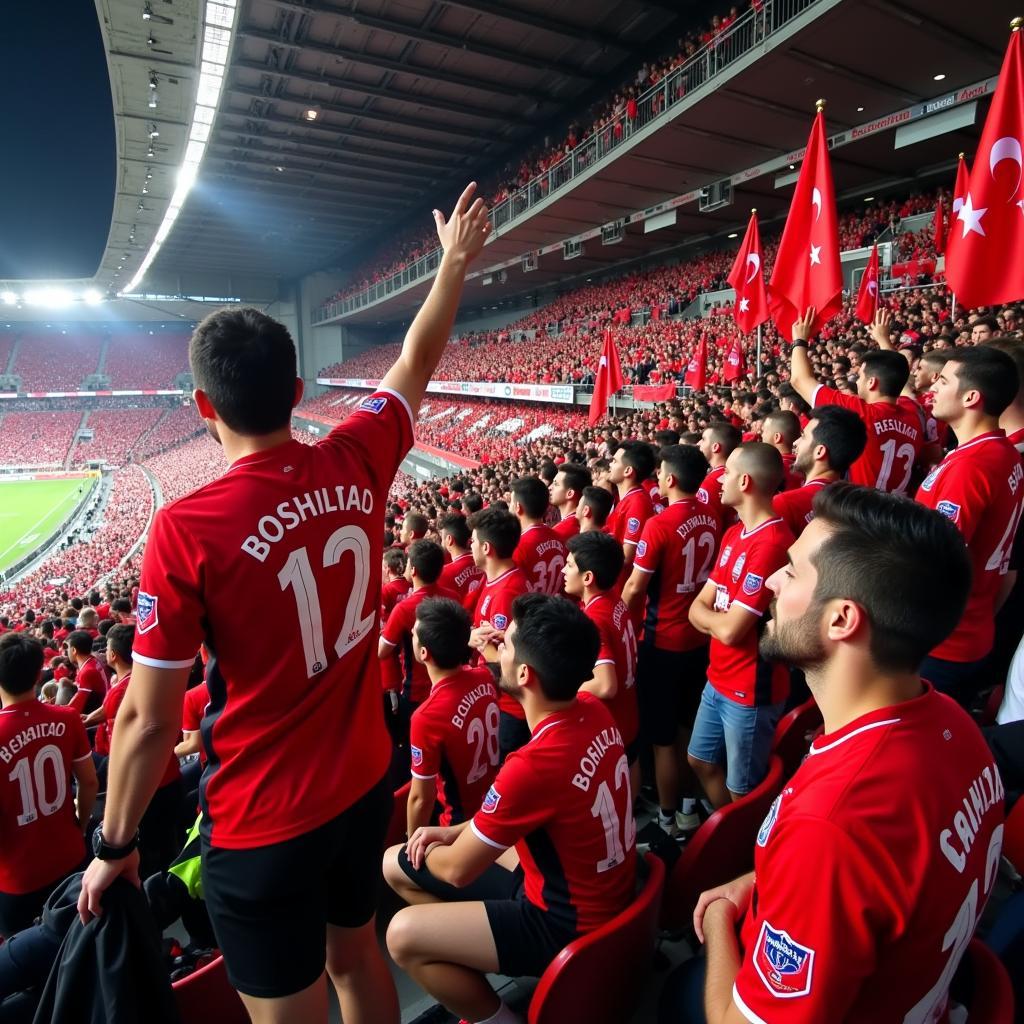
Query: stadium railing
(752, 28)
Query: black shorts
(669, 685)
(527, 938)
(270, 905)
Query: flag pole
(757, 368)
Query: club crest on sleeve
(785, 966)
(146, 616)
(632, 524)
(702, 496)
(737, 569)
(725, 556)
(500, 621)
(752, 583)
(490, 804)
(417, 756)
(929, 480)
(641, 549)
(373, 405)
(949, 509)
(769, 821)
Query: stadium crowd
(659, 588)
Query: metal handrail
(750, 29)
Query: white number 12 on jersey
(298, 574)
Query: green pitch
(30, 510)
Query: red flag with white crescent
(747, 278)
(867, 297)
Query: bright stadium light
(9, 298)
(53, 298)
(92, 296)
(218, 22)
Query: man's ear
(204, 405)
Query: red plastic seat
(992, 1002)
(721, 849)
(598, 977)
(396, 827)
(792, 735)
(207, 996)
(1013, 836)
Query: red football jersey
(193, 710)
(563, 800)
(894, 440)
(862, 911)
(978, 486)
(618, 647)
(678, 548)
(297, 727)
(650, 485)
(453, 738)
(42, 841)
(540, 554)
(91, 681)
(111, 705)
(567, 528)
(390, 594)
(626, 520)
(795, 506)
(935, 430)
(746, 562)
(710, 494)
(494, 605)
(397, 632)
(793, 478)
(462, 576)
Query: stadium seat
(1013, 836)
(721, 849)
(596, 978)
(207, 996)
(792, 736)
(396, 827)
(991, 1000)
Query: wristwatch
(102, 850)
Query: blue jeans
(738, 735)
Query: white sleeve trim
(633, 542)
(814, 396)
(483, 838)
(160, 663)
(604, 661)
(423, 778)
(84, 757)
(387, 641)
(642, 569)
(404, 401)
(744, 1009)
(746, 607)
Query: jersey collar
(743, 532)
(882, 718)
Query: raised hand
(464, 233)
(880, 326)
(802, 325)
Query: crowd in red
(116, 433)
(146, 360)
(615, 115)
(36, 438)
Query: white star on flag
(970, 217)
(603, 362)
(744, 305)
(815, 255)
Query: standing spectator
(717, 443)
(90, 682)
(565, 493)
(540, 553)
(295, 799)
(461, 575)
(594, 509)
(631, 465)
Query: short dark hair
(784, 422)
(456, 527)
(764, 464)
(665, 438)
(1014, 348)
(427, 559)
(497, 527)
(443, 627)
(121, 639)
(640, 457)
(726, 435)
(842, 432)
(94, 598)
(245, 362)
(988, 320)
(937, 357)
(80, 641)
(990, 371)
(416, 522)
(394, 559)
(891, 370)
(599, 553)
(577, 477)
(530, 492)
(472, 502)
(21, 661)
(599, 501)
(687, 464)
(557, 640)
(122, 604)
(906, 565)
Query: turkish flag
(697, 369)
(960, 188)
(807, 270)
(608, 380)
(654, 392)
(747, 277)
(985, 248)
(734, 362)
(940, 228)
(867, 297)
